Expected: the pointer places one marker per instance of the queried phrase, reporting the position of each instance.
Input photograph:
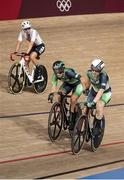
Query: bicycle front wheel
(16, 82)
(55, 121)
(79, 135)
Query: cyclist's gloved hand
(12, 57)
(86, 92)
(15, 52)
(50, 97)
(91, 104)
(27, 54)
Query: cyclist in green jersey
(70, 83)
(100, 91)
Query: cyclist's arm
(72, 74)
(18, 46)
(103, 80)
(99, 94)
(54, 83)
(85, 82)
(19, 42)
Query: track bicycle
(86, 129)
(19, 76)
(59, 116)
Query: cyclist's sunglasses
(27, 29)
(58, 71)
(94, 69)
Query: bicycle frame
(30, 76)
(23, 66)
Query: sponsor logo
(64, 5)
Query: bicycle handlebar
(22, 54)
(59, 93)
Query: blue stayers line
(114, 174)
(39, 113)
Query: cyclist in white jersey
(35, 48)
(36, 45)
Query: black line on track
(26, 114)
(39, 113)
(81, 169)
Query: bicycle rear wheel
(96, 140)
(79, 135)
(40, 84)
(16, 82)
(55, 121)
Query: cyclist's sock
(38, 72)
(72, 121)
(99, 123)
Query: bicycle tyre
(55, 124)
(79, 135)
(40, 87)
(96, 140)
(15, 84)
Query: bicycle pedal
(65, 127)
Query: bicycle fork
(23, 65)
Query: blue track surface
(115, 174)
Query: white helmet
(97, 65)
(25, 24)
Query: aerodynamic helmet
(58, 66)
(25, 24)
(97, 65)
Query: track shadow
(3, 83)
(33, 127)
(36, 129)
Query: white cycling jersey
(32, 36)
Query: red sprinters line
(52, 154)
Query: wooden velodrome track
(25, 149)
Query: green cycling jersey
(100, 82)
(69, 76)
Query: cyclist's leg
(64, 89)
(35, 52)
(91, 96)
(27, 61)
(77, 91)
(100, 108)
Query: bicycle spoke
(79, 144)
(54, 132)
(14, 84)
(55, 122)
(17, 71)
(78, 137)
(13, 76)
(76, 140)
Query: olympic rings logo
(64, 5)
